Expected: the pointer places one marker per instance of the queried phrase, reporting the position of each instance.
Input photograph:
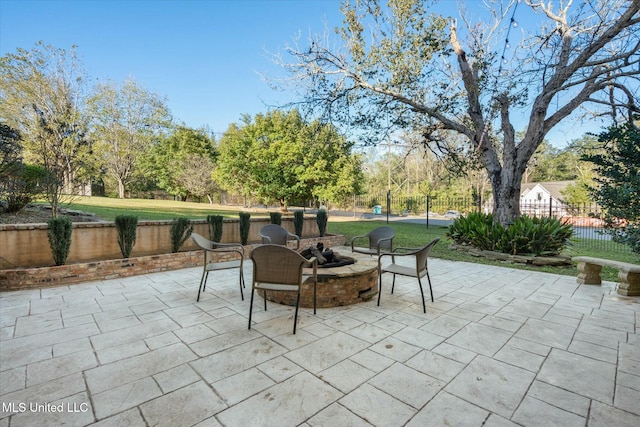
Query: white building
(543, 198)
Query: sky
(207, 57)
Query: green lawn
(151, 209)
(407, 234)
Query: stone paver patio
(499, 347)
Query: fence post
(354, 205)
(388, 204)
(427, 207)
(550, 207)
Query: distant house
(543, 198)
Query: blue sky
(204, 56)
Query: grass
(407, 234)
(150, 209)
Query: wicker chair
(278, 268)
(419, 270)
(210, 264)
(379, 239)
(277, 235)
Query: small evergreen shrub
(298, 222)
(215, 227)
(181, 229)
(276, 218)
(126, 226)
(321, 220)
(245, 223)
(526, 236)
(60, 238)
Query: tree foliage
(182, 163)
(277, 156)
(125, 120)
(618, 179)
(42, 97)
(398, 64)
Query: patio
(499, 347)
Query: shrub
(181, 229)
(321, 220)
(126, 228)
(245, 223)
(215, 227)
(21, 185)
(298, 222)
(60, 238)
(534, 236)
(276, 218)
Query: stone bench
(589, 269)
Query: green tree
(125, 120)
(10, 150)
(182, 163)
(42, 97)
(618, 182)
(277, 156)
(399, 68)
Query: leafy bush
(21, 184)
(533, 236)
(321, 220)
(215, 227)
(126, 228)
(298, 222)
(245, 224)
(60, 238)
(181, 229)
(618, 183)
(276, 218)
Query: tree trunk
(506, 197)
(120, 189)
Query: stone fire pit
(337, 286)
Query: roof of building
(554, 188)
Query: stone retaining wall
(44, 277)
(27, 245)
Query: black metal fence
(585, 218)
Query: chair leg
(264, 296)
(424, 307)
(393, 284)
(379, 287)
(295, 316)
(241, 285)
(203, 283)
(314, 296)
(430, 288)
(250, 308)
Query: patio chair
(418, 270)
(380, 239)
(277, 235)
(211, 264)
(278, 268)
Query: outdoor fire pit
(350, 280)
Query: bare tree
(398, 62)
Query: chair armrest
(313, 262)
(296, 238)
(353, 239)
(410, 251)
(228, 246)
